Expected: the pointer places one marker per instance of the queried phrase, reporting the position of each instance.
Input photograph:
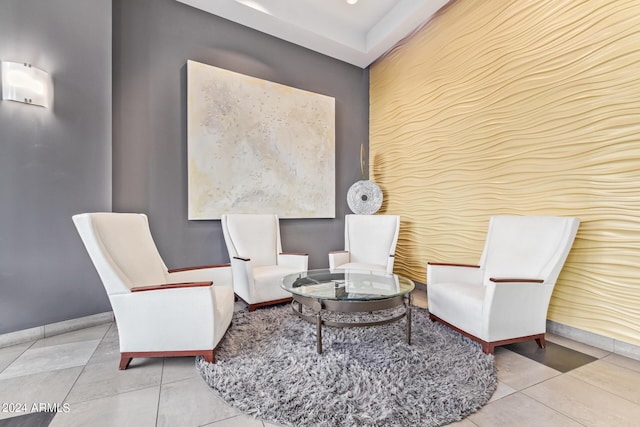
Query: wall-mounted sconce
(23, 82)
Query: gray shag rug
(267, 366)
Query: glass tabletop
(348, 285)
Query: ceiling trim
(322, 29)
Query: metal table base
(345, 306)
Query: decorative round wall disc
(364, 197)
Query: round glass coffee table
(349, 291)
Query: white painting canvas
(256, 146)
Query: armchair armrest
(515, 280)
(219, 274)
(515, 306)
(243, 281)
(170, 286)
(390, 261)
(148, 317)
(338, 258)
(447, 272)
(200, 267)
(298, 261)
(453, 265)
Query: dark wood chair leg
(487, 347)
(210, 356)
(124, 362)
(541, 342)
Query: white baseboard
(599, 341)
(32, 334)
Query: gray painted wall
(60, 161)
(153, 39)
(53, 162)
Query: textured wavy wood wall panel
(519, 107)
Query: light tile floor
(79, 371)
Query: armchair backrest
(533, 247)
(371, 239)
(122, 249)
(254, 236)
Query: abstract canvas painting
(255, 146)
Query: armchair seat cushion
(362, 266)
(460, 304)
(267, 282)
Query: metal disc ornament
(364, 197)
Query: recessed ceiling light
(352, 1)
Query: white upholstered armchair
(504, 299)
(159, 312)
(369, 243)
(257, 260)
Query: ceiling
(357, 34)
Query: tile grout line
(79, 374)
(521, 392)
(12, 362)
(164, 361)
(557, 410)
(18, 356)
(87, 362)
(604, 389)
